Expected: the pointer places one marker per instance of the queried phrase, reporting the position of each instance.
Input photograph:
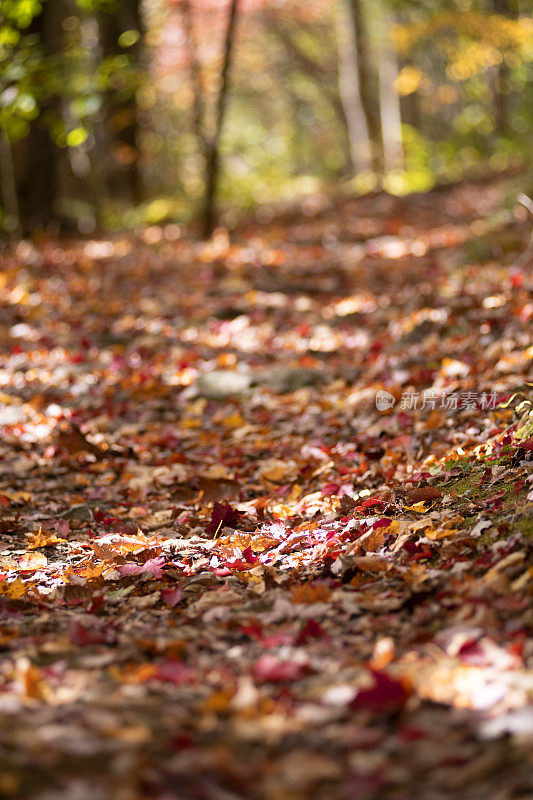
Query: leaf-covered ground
(224, 572)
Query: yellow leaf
(254, 577)
(440, 533)
(262, 543)
(17, 497)
(14, 589)
(42, 539)
(89, 571)
(231, 540)
(277, 471)
(296, 492)
(114, 544)
(419, 508)
(191, 423)
(233, 421)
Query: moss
(516, 510)
(525, 525)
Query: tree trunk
(121, 117)
(350, 90)
(198, 120)
(366, 74)
(8, 187)
(212, 155)
(389, 101)
(506, 8)
(36, 158)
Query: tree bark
(37, 159)
(506, 8)
(121, 117)
(350, 89)
(212, 155)
(366, 75)
(389, 101)
(194, 74)
(9, 188)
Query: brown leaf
(208, 490)
(73, 441)
(218, 489)
(375, 540)
(184, 493)
(421, 494)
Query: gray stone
(223, 383)
(284, 380)
(82, 513)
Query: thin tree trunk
(389, 100)
(366, 74)
(122, 116)
(9, 187)
(37, 159)
(212, 167)
(350, 90)
(194, 74)
(506, 8)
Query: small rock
(221, 384)
(81, 512)
(284, 380)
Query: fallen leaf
(423, 493)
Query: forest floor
(225, 573)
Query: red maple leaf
(387, 694)
(223, 516)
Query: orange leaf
(134, 673)
(42, 539)
(311, 593)
(218, 701)
(375, 540)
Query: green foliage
(66, 86)
(21, 85)
(20, 13)
(22, 76)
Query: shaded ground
(224, 572)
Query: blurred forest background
(118, 113)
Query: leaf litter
(224, 572)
